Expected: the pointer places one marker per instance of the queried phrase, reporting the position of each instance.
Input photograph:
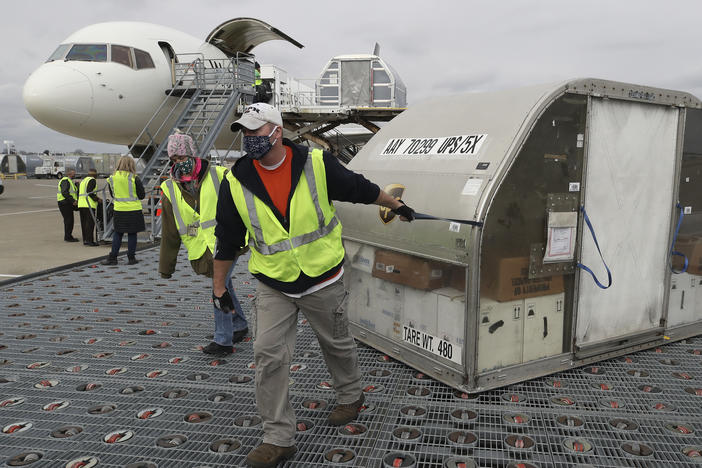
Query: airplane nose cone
(58, 96)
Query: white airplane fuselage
(105, 100)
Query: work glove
(223, 302)
(404, 211)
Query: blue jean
(228, 323)
(117, 243)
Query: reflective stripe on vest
(84, 199)
(123, 191)
(311, 244)
(257, 241)
(73, 191)
(204, 238)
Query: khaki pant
(275, 330)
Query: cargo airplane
(105, 81)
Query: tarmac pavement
(31, 230)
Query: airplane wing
(243, 34)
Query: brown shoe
(343, 414)
(269, 455)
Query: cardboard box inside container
(691, 247)
(419, 310)
(458, 278)
(375, 304)
(363, 258)
(411, 271)
(508, 279)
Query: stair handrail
(174, 106)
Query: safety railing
(106, 215)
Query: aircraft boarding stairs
(204, 94)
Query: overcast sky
(438, 47)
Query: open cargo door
(243, 34)
(628, 197)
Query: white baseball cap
(256, 115)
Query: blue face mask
(257, 147)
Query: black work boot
(110, 261)
(343, 414)
(132, 261)
(217, 349)
(269, 455)
(239, 335)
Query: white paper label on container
(472, 186)
(459, 145)
(687, 210)
(574, 186)
(560, 244)
(434, 345)
(455, 227)
(579, 142)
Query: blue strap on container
(594, 237)
(672, 246)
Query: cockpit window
(143, 59)
(88, 53)
(122, 54)
(59, 52)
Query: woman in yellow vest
(189, 205)
(127, 191)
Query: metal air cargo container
(498, 294)
(12, 164)
(105, 163)
(31, 162)
(360, 80)
(81, 164)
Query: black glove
(224, 302)
(404, 211)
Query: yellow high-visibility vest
(84, 198)
(123, 187)
(313, 243)
(73, 190)
(196, 229)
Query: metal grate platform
(100, 366)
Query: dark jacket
(92, 184)
(130, 221)
(170, 238)
(342, 185)
(66, 192)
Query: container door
(13, 164)
(355, 83)
(629, 192)
(685, 299)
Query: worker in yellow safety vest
(257, 75)
(189, 205)
(281, 195)
(263, 89)
(88, 203)
(127, 191)
(67, 198)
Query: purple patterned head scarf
(181, 144)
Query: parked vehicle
(52, 167)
